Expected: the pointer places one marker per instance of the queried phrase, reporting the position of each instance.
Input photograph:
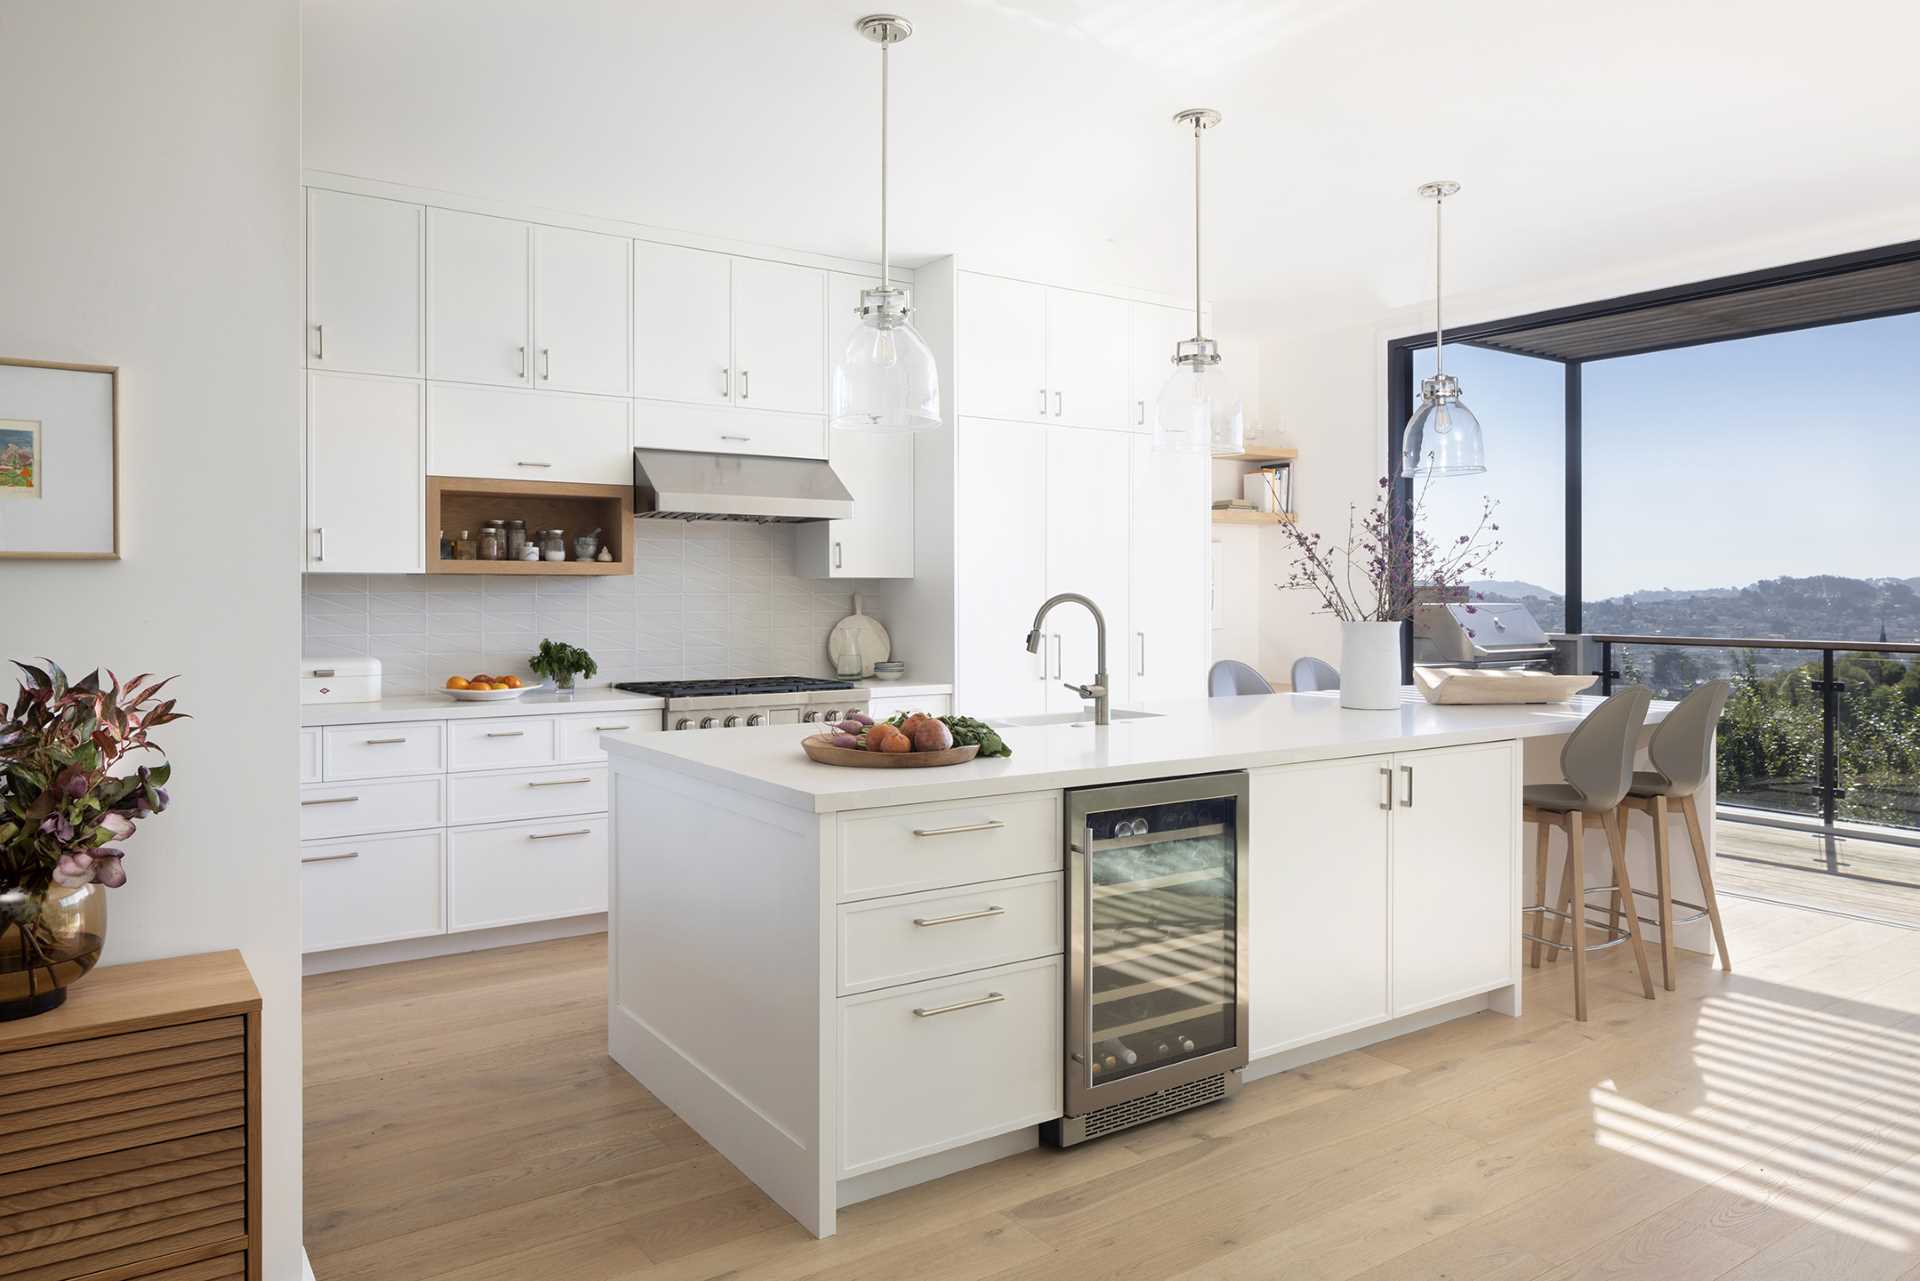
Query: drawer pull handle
(321, 672)
(385, 742)
(927, 1012)
(960, 916)
(532, 464)
(331, 858)
(506, 733)
(739, 438)
(991, 825)
(559, 782)
(332, 800)
(608, 729)
(550, 836)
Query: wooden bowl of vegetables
(908, 741)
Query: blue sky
(1708, 466)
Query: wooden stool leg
(1565, 903)
(1701, 861)
(1576, 887)
(1663, 870)
(1539, 889)
(1616, 826)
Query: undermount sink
(1082, 717)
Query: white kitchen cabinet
(1088, 488)
(503, 433)
(366, 890)
(877, 469)
(1169, 647)
(660, 425)
(364, 271)
(479, 291)
(1152, 332)
(1455, 910)
(1002, 349)
(510, 873)
(779, 336)
(1317, 887)
(1087, 359)
(1000, 568)
(682, 324)
(366, 486)
(581, 311)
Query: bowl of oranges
(484, 688)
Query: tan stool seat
(1561, 798)
(1650, 783)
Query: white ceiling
(1034, 134)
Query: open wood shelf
(1232, 517)
(1262, 454)
(455, 503)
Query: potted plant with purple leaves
(70, 797)
(1371, 582)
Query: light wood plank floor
(464, 1124)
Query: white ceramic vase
(1370, 666)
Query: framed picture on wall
(59, 461)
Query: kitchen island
(773, 981)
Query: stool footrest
(1613, 937)
(1699, 910)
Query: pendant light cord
(1197, 130)
(886, 268)
(1439, 334)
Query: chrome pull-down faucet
(1097, 692)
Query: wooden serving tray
(826, 753)
(1466, 686)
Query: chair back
(1230, 676)
(1598, 758)
(1310, 674)
(1682, 744)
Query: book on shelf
(1270, 488)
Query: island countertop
(1192, 737)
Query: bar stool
(1311, 674)
(1681, 752)
(1597, 763)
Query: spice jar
(465, 548)
(492, 536)
(553, 544)
(516, 539)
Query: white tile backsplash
(705, 599)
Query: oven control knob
(756, 719)
(685, 722)
(833, 715)
(707, 722)
(730, 722)
(811, 717)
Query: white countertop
(904, 688)
(432, 707)
(1196, 737)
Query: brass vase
(48, 941)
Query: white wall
(152, 221)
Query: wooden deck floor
(464, 1124)
(1877, 880)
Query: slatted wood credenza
(130, 1128)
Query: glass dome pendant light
(1198, 410)
(1443, 437)
(886, 379)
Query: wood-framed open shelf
(1262, 454)
(455, 503)
(1241, 516)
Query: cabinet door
(1456, 821)
(1000, 567)
(1002, 350)
(1171, 642)
(682, 336)
(779, 336)
(1087, 359)
(507, 434)
(1317, 900)
(580, 311)
(479, 317)
(1088, 477)
(366, 475)
(1152, 332)
(363, 284)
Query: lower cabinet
(519, 872)
(371, 889)
(1379, 886)
(985, 1045)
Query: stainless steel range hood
(672, 484)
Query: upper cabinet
(364, 258)
(1033, 353)
(366, 443)
(710, 329)
(1153, 331)
(513, 305)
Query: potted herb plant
(65, 809)
(561, 663)
(1372, 581)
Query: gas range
(751, 701)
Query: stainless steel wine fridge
(1156, 951)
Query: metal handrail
(1761, 642)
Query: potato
(931, 736)
(885, 738)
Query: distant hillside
(1510, 589)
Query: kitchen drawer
(580, 735)
(310, 756)
(383, 751)
(517, 872)
(510, 434)
(948, 1062)
(926, 847)
(518, 794)
(331, 810)
(495, 744)
(371, 890)
(889, 941)
(727, 431)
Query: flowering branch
(1397, 560)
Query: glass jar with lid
(493, 537)
(553, 544)
(516, 540)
